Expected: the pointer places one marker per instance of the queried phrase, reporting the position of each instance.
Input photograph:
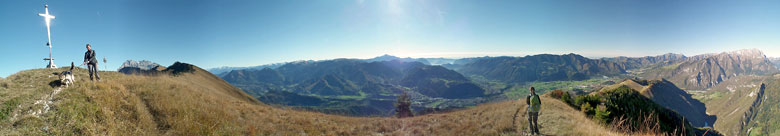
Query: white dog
(66, 77)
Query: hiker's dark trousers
(93, 71)
(532, 116)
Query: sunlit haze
(249, 32)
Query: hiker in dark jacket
(534, 106)
(91, 61)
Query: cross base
(51, 63)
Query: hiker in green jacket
(534, 105)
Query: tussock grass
(18, 93)
(200, 103)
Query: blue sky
(252, 32)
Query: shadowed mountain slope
(666, 94)
(543, 67)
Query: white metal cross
(47, 17)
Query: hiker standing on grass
(534, 105)
(91, 61)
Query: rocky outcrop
(776, 61)
(143, 64)
(751, 112)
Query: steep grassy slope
(730, 100)
(198, 103)
(557, 118)
(763, 118)
(629, 109)
(193, 103)
(746, 105)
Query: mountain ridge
(666, 94)
(542, 67)
(707, 70)
(345, 82)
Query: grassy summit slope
(558, 118)
(195, 102)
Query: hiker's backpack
(536, 103)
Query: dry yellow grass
(630, 84)
(557, 118)
(201, 104)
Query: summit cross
(48, 17)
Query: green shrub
(587, 109)
(403, 106)
(602, 115)
(628, 103)
(579, 100)
(590, 99)
(566, 98)
(7, 108)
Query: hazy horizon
(244, 33)
(496, 55)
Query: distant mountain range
(221, 71)
(368, 86)
(428, 61)
(639, 62)
(543, 67)
(349, 81)
(705, 71)
(387, 57)
(328, 83)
